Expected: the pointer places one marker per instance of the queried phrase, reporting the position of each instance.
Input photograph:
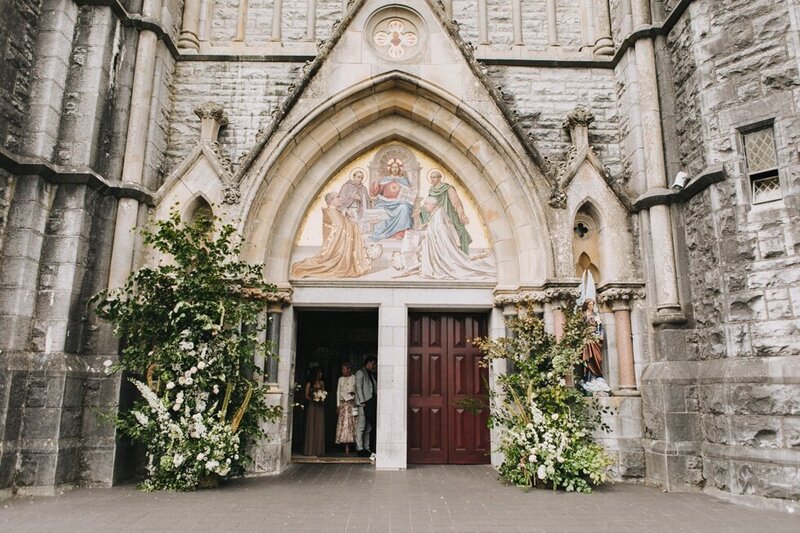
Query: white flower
(201, 456)
(182, 380)
(541, 473)
(193, 370)
(215, 388)
(201, 365)
(178, 459)
(189, 381)
(176, 407)
(186, 345)
(141, 417)
(107, 363)
(555, 416)
(170, 385)
(212, 464)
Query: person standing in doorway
(367, 400)
(346, 408)
(315, 413)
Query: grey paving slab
(340, 497)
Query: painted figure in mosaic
(354, 195)
(447, 197)
(437, 248)
(593, 381)
(395, 195)
(342, 254)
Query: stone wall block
(715, 429)
(683, 427)
(765, 399)
(756, 431)
(746, 306)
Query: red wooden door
(443, 371)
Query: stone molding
(560, 291)
(59, 175)
(662, 196)
(326, 47)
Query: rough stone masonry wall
(248, 92)
(19, 20)
(258, 30)
(545, 96)
(743, 260)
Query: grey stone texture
(719, 408)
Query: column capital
(212, 117)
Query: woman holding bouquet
(315, 413)
(345, 407)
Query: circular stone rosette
(395, 33)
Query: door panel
(443, 371)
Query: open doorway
(327, 339)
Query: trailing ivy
(545, 424)
(190, 338)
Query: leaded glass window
(762, 165)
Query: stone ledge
(662, 196)
(59, 175)
(751, 454)
(758, 502)
(766, 370)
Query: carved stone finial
(577, 123)
(212, 117)
(558, 199)
(580, 116)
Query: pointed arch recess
(508, 188)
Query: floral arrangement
(546, 425)
(319, 396)
(190, 335)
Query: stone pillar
(552, 23)
(190, 27)
(274, 312)
(667, 303)
(241, 22)
(311, 20)
(627, 372)
(483, 22)
(587, 24)
(516, 15)
(277, 16)
(603, 45)
(135, 142)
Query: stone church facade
(652, 142)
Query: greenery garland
(546, 424)
(190, 338)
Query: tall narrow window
(762, 165)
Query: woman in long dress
(315, 413)
(345, 406)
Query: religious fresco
(393, 214)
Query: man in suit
(367, 401)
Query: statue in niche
(395, 195)
(448, 200)
(343, 254)
(434, 250)
(593, 381)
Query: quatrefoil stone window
(396, 38)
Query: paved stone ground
(357, 498)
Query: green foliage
(546, 426)
(190, 334)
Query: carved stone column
(241, 21)
(627, 371)
(604, 45)
(311, 20)
(211, 119)
(577, 123)
(516, 17)
(483, 22)
(552, 23)
(274, 312)
(190, 27)
(122, 250)
(277, 17)
(660, 225)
